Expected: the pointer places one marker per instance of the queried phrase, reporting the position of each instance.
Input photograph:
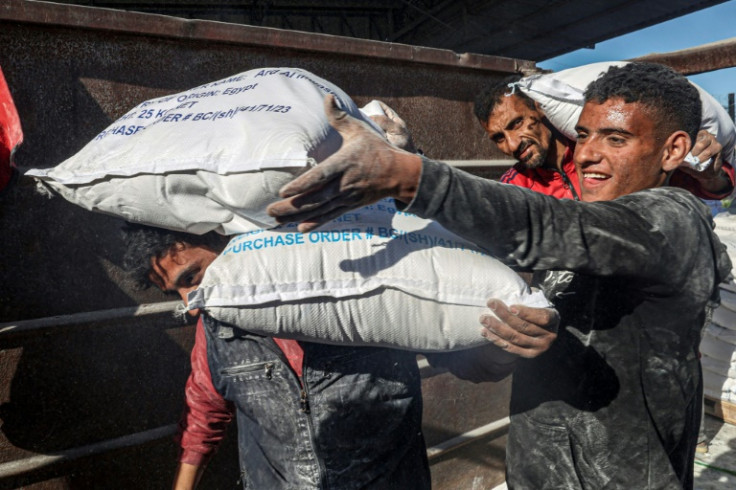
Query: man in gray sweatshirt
(614, 403)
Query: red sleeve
(513, 176)
(11, 134)
(685, 181)
(206, 416)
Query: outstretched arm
(613, 238)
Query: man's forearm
(187, 476)
(527, 229)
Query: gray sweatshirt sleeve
(651, 236)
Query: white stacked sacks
(718, 347)
(213, 158)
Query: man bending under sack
(308, 415)
(517, 126)
(614, 403)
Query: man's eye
(190, 280)
(581, 136)
(498, 139)
(616, 140)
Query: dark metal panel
(162, 26)
(531, 29)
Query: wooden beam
(700, 59)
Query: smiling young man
(614, 403)
(517, 126)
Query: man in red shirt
(517, 126)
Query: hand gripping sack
(561, 97)
(209, 158)
(375, 276)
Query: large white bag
(213, 158)
(561, 98)
(375, 276)
(209, 158)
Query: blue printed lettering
(264, 73)
(348, 218)
(238, 90)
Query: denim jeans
(353, 420)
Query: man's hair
(142, 243)
(674, 102)
(486, 101)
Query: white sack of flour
(209, 158)
(561, 98)
(375, 276)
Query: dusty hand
(520, 330)
(706, 146)
(396, 130)
(364, 170)
(712, 179)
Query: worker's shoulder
(663, 197)
(669, 205)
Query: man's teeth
(595, 176)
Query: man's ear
(675, 150)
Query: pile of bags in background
(718, 347)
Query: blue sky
(704, 26)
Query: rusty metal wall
(72, 71)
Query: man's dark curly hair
(143, 242)
(486, 101)
(674, 102)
